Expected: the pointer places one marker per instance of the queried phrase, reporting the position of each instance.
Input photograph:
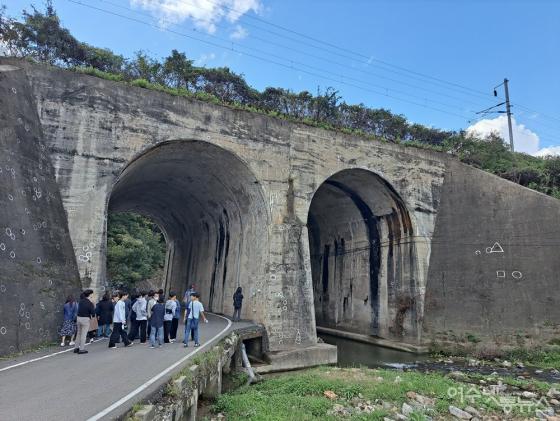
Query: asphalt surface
(68, 386)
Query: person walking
(139, 308)
(170, 307)
(156, 320)
(196, 311)
(69, 322)
(187, 297)
(104, 312)
(237, 303)
(152, 300)
(119, 319)
(175, 322)
(86, 311)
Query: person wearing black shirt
(86, 311)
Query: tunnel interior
(363, 256)
(211, 209)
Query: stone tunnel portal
(211, 210)
(363, 257)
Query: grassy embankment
(367, 394)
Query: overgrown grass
(548, 358)
(300, 395)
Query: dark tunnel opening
(211, 209)
(362, 256)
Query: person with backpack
(140, 309)
(170, 307)
(195, 312)
(104, 312)
(69, 322)
(152, 300)
(237, 303)
(156, 320)
(119, 319)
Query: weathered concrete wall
(495, 262)
(253, 201)
(37, 262)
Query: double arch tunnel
(212, 210)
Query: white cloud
(550, 151)
(204, 13)
(524, 140)
(239, 33)
(204, 59)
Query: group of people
(143, 315)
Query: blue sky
(385, 49)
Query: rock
(457, 375)
(386, 405)
(388, 419)
(538, 371)
(407, 409)
(554, 371)
(448, 361)
(421, 399)
(506, 364)
(529, 395)
(398, 379)
(401, 417)
(481, 381)
(459, 413)
(472, 362)
(494, 373)
(472, 411)
(553, 393)
(520, 365)
(330, 394)
(552, 418)
(554, 402)
(338, 410)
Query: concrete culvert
(212, 213)
(363, 256)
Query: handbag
(93, 325)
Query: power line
(335, 74)
(291, 67)
(369, 59)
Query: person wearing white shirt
(170, 307)
(194, 311)
(119, 319)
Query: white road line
(154, 379)
(43, 357)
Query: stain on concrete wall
(361, 261)
(363, 257)
(38, 268)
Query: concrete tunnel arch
(211, 209)
(363, 257)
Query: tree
(135, 249)
(179, 72)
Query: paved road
(68, 386)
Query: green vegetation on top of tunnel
(135, 249)
(40, 36)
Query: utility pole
(508, 111)
(492, 110)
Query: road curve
(99, 385)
